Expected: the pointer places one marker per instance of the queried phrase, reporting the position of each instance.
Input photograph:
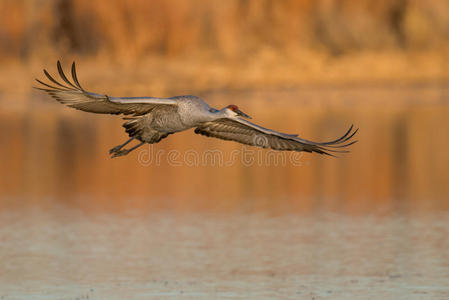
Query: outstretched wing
(73, 95)
(242, 131)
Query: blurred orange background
(310, 67)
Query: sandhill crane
(152, 119)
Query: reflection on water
(75, 224)
(55, 154)
(65, 254)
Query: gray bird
(152, 119)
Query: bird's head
(236, 111)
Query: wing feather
(245, 132)
(73, 95)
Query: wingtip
(38, 88)
(74, 76)
(63, 76)
(59, 65)
(329, 154)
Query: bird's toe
(115, 149)
(119, 153)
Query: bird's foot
(118, 153)
(115, 149)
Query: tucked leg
(126, 151)
(117, 148)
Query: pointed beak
(241, 113)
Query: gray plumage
(151, 119)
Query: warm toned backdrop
(312, 67)
(203, 218)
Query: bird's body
(151, 119)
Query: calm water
(64, 254)
(52, 154)
(176, 220)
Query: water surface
(372, 224)
(64, 254)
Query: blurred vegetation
(166, 47)
(229, 29)
(318, 65)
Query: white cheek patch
(231, 113)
